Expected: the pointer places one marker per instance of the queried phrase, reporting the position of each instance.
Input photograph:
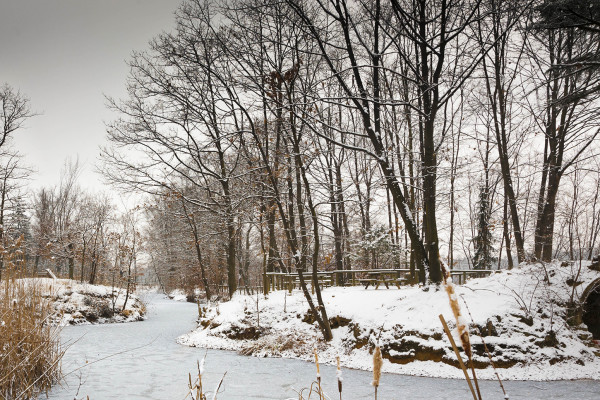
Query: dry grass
(273, 345)
(30, 352)
(315, 390)
(196, 388)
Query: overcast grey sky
(65, 55)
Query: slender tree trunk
(71, 260)
(83, 259)
(344, 216)
(506, 234)
(499, 109)
(301, 173)
(192, 223)
(548, 216)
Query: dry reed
(30, 350)
(315, 387)
(461, 323)
(338, 374)
(218, 387)
(487, 351)
(318, 371)
(377, 364)
(196, 389)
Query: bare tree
(14, 111)
(179, 117)
(56, 210)
(500, 67)
(567, 115)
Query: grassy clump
(30, 350)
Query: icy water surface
(142, 361)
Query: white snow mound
(527, 318)
(81, 303)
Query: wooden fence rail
(366, 277)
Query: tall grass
(30, 352)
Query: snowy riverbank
(81, 303)
(142, 361)
(523, 315)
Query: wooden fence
(367, 277)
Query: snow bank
(82, 303)
(183, 296)
(178, 295)
(524, 316)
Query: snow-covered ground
(142, 361)
(178, 295)
(82, 303)
(521, 313)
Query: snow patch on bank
(178, 295)
(81, 303)
(524, 315)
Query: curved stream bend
(142, 361)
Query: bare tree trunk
(192, 223)
(71, 260)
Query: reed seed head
(377, 364)
(339, 374)
(461, 324)
(317, 361)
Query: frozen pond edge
(159, 369)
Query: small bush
(190, 298)
(105, 311)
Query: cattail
(317, 363)
(339, 376)
(318, 370)
(461, 325)
(377, 364)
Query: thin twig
(487, 351)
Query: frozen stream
(142, 361)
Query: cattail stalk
(461, 324)
(377, 364)
(458, 357)
(318, 372)
(218, 387)
(197, 386)
(487, 351)
(339, 376)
